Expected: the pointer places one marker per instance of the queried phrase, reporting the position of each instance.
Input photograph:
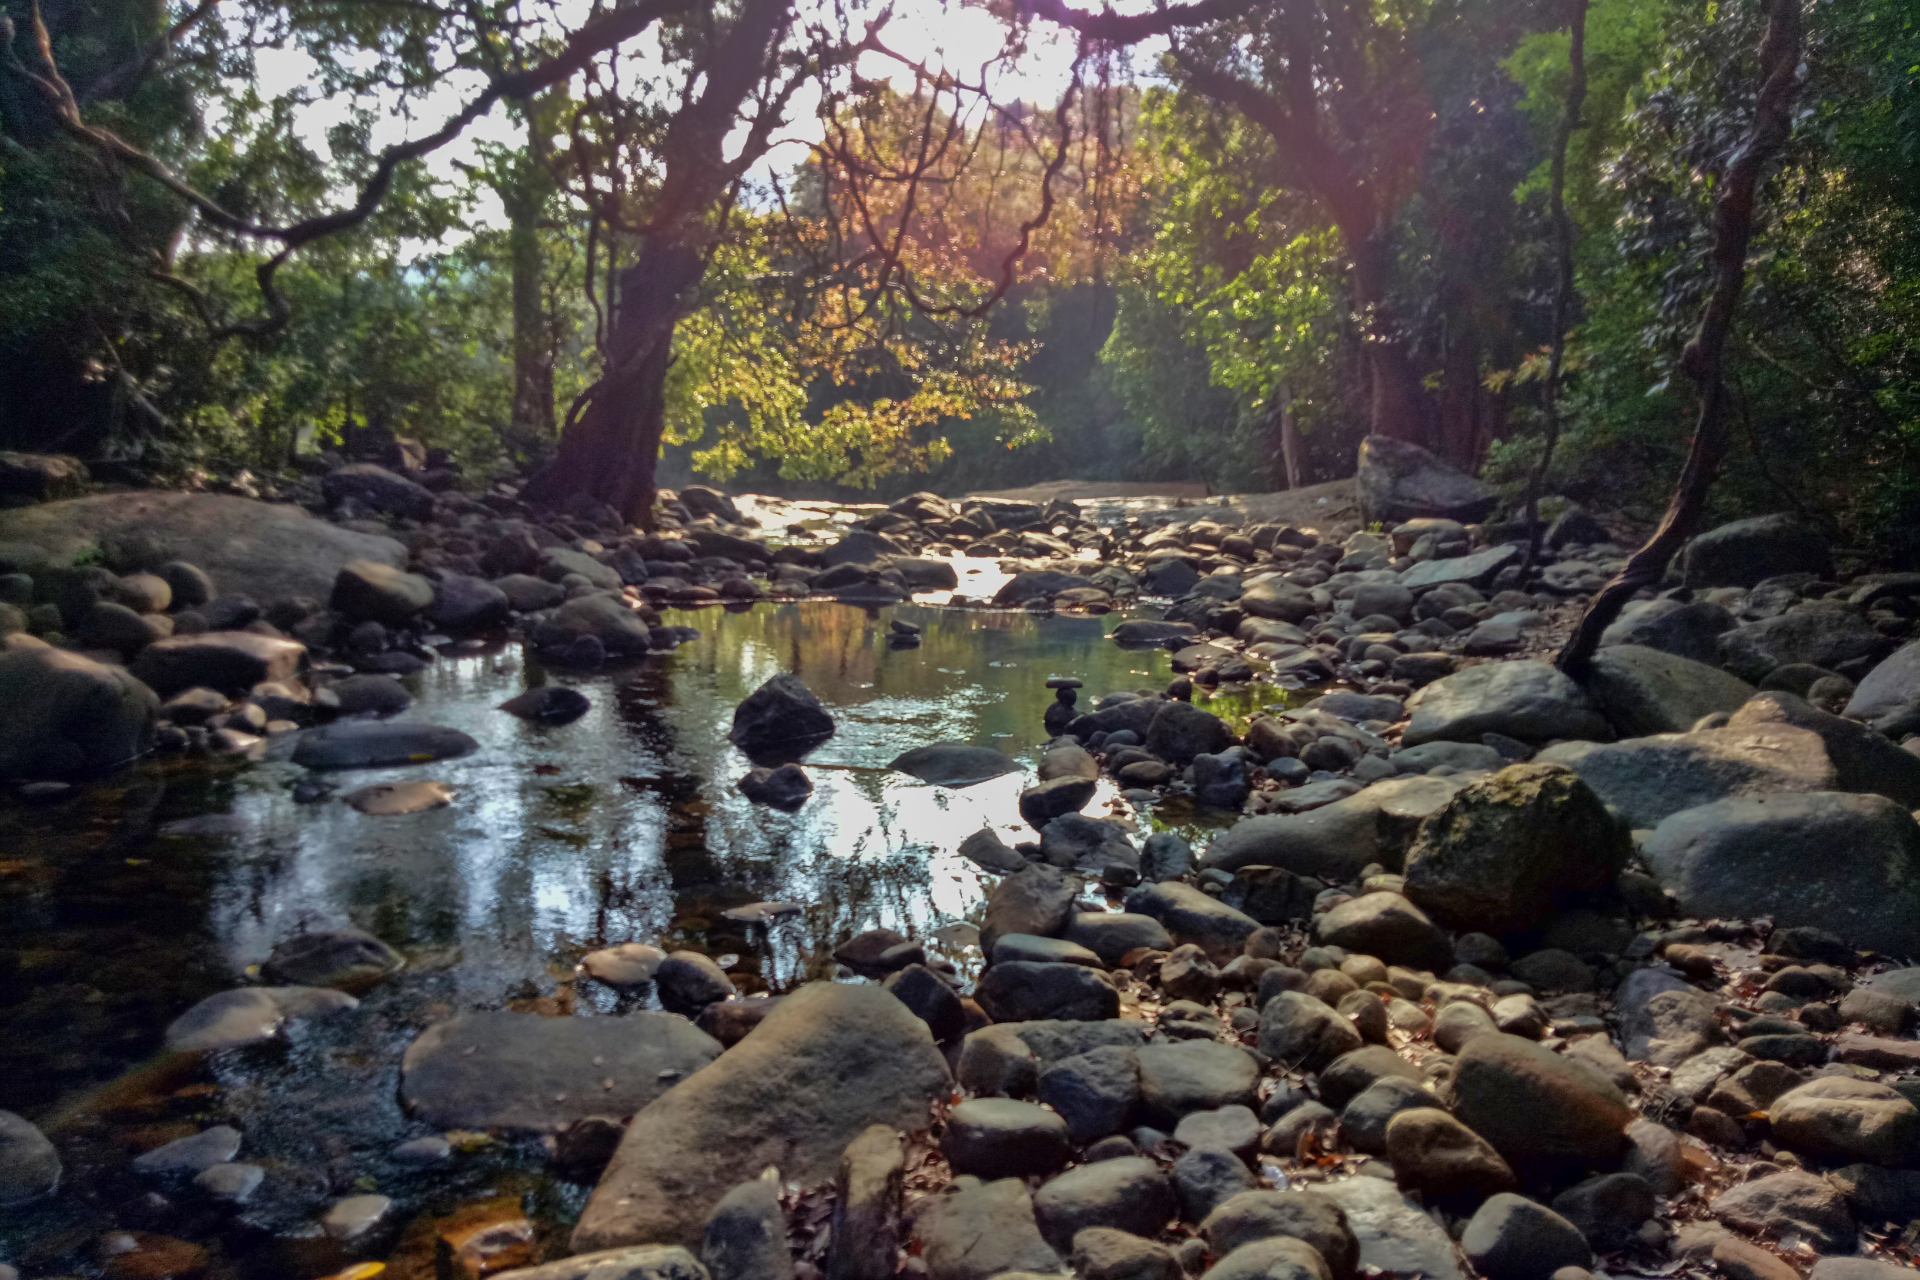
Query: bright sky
(940, 33)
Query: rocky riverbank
(1485, 971)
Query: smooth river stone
(391, 799)
(369, 744)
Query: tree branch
(1109, 27)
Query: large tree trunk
(1398, 405)
(612, 452)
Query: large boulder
(1513, 846)
(622, 631)
(1539, 1109)
(524, 1071)
(1643, 691)
(1180, 731)
(231, 662)
(69, 716)
(1888, 698)
(954, 764)
(1828, 638)
(1396, 481)
(368, 591)
(1032, 991)
(265, 550)
(40, 477)
(781, 719)
(1337, 841)
(1863, 760)
(779, 1098)
(1527, 700)
(1848, 864)
(1476, 570)
(1746, 552)
(1037, 901)
(1840, 1118)
(1687, 629)
(1649, 779)
(377, 488)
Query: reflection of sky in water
(626, 825)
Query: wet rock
(621, 631)
(524, 1071)
(1826, 638)
(1512, 1238)
(630, 964)
(249, 1015)
(393, 799)
(184, 1157)
(979, 1232)
(1148, 632)
(1192, 916)
(1781, 1203)
(1393, 1232)
(351, 959)
(463, 603)
(373, 695)
(1643, 691)
(1023, 991)
(1535, 1106)
(353, 1217)
(1608, 1210)
(1179, 1079)
(986, 849)
(722, 1125)
(1055, 798)
(746, 1235)
(1027, 946)
(786, 787)
(1650, 779)
(1840, 1118)
(953, 764)
(69, 716)
(1528, 700)
(550, 705)
(780, 719)
(1382, 924)
(1129, 1194)
(1038, 900)
(877, 952)
(231, 1182)
(366, 744)
(688, 982)
(1303, 1032)
(1180, 731)
(369, 591)
(1849, 864)
(1003, 1138)
(29, 1165)
(1097, 846)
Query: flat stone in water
(248, 1015)
(231, 1182)
(524, 1071)
(762, 912)
(364, 744)
(353, 1217)
(549, 705)
(194, 1154)
(392, 799)
(954, 764)
(631, 964)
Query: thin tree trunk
(1563, 288)
(1704, 354)
(525, 199)
(1290, 439)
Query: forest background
(866, 323)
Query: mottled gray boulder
(1888, 697)
(29, 1165)
(1004, 1138)
(1827, 638)
(1527, 700)
(981, 1231)
(1848, 864)
(1094, 1092)
(1395, 1233)
(1863, 760)
(1745, 552)
(1337, 841)
(1782, 1203)
(621, 630)
(229, 661)
(1511, 847)
(1181, 1078)
(1038, 900)
(1192, 916)
(68, 716)
(525, 1071)
(1649, 779)
(1385, 925)
(781, 718)
(1840, 1118)
(1396, 481)
(1304, 1032)
(723, 1125)
(1643, 691)
(746, 1235)
(1687, 629)
(1476, 570)
(1025, 991)
(1129, 1194)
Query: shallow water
(122, 906)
